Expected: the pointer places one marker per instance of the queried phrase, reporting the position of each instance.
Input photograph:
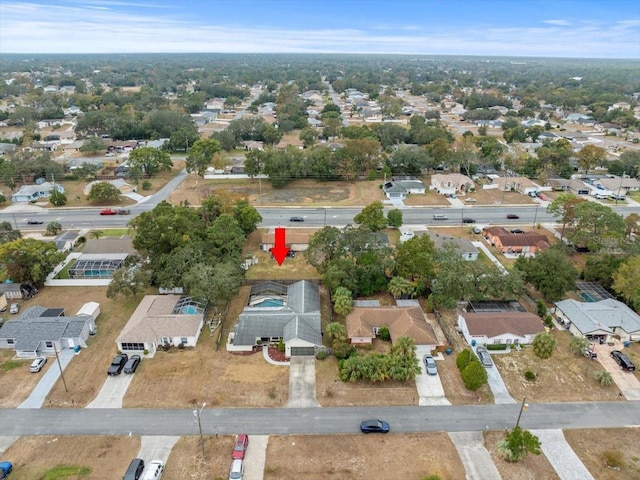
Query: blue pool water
(189, 310)
(270, 302)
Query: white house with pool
(162, 320)
(275, 311)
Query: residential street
(264, 421)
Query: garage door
(302, 351)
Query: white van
(154, 470)
(439, 216)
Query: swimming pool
(270, 302)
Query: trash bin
(627, 344)
(448, 351)
(76, 348)
(473, 343)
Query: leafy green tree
(214, 285)
(224, 237)
(57, 198)
(7, 233)
(404, 346)
(342, 301)
(543, 345)
(308, 136)
(400, 287)
(247, 216)
(128, 282)
(394, 218)
(578, 345)
(474, 375)
(93, 145)
(336, 331)
(626, 281)
(563, 206)
(597, 227)
(148, 161)
(201, 155)
(632, 221)
(600, 269)
(103, 192)
(550, 272)
(517, 443)
(591, 156)
(27, 260)
(372, 216)
(54, 228)
(415, 259)
(463, 358)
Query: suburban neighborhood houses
(291, 250)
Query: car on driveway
(117, 364)
(374, 426)
(240, 447)
(590, 354)
(296, 219)
(237, 470)
(430, 364)
(14, 308)
(37, 364)
(512, 216)
(132, 364)
(34, 221)
(622, 360)
(154, 470)
(483, 355)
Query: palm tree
(604, 378)
(404, 347)
(336, 331)
(97, 234)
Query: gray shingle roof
(603, 315)
(30, 329)
(299, 319)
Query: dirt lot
(531, 467)
(564, 377)
(186, 462)
(589, 445)
(107, 457)
(363, 456)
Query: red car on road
(108, 211)
(240, 447)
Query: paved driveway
(496, 384)
(112, 391)
(626, 381)
(156, 447)
(255, 457)
(430, 391)
(302, 382)
(48, 380)
(561, 456)
(475, 457)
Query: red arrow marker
(280, 249)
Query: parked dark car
(34, 221)
(483, 355)
(517, 230)
(374, 426)
(134, 472)
(622, 360)
(512, 216)
(296, 219)
(132, 364)
(117, 364)
(468, 220)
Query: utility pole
(535, 216)
(55, 348)
(196, 414)
(522, 408)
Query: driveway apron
(255, 457)
(302, 382)
(475, 457)
(561, 456)
(48, 380)
(498, 388)
(430, 391)
(112, 392)
(626, 381)
(156, 447)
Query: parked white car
(154, 470)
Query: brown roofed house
(363, 324)
(516, 243)
(298, 242)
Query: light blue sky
(551, 28)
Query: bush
(463, 359)
(496, 346)
(146, 185)
(474, 375)
(145, 352)
(529, 375)
(613, 459)
(321, 355)
(542, 308)
(3, 199)
(548, 321)
(281, 346)
(384, 334)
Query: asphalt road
(266, 421)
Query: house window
(184, 340)
(49, 344)
(10, 341)
(132, 346)
(166, 340)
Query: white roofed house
(599, 320)
(29, 193)
(451, 183)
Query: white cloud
(75, 28)
(562, 23)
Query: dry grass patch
(107, 457)
(531, 467)
(564, 377)
(186, 462)
(350, 457)
(591, 446)
(15, 372)
(430, 199)
(497, 197)
(177, 378)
